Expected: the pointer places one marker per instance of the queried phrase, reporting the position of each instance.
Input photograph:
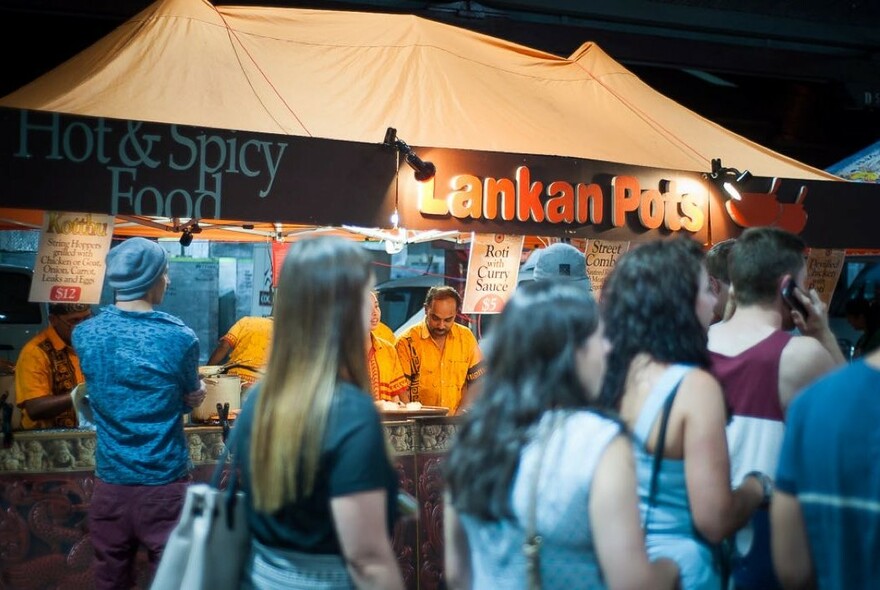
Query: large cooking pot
(221, 389)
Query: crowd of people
(694, 429)
(749, 455)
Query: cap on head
(562, 262)
(134, 266)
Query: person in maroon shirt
(761, 365)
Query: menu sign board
(493, 270)
(70, 259)
(823, 270)
(601, 257)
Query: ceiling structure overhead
(801, 77)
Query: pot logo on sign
(764, 209)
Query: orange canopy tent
(349, 76)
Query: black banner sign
(60, 162)
(494, 192)
(92, 164)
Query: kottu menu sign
(70, 260)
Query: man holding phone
(761, 365)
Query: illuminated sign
(525, 199)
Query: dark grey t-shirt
(353, 459)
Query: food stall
(244, 122)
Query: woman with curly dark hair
(534, 454)
(657, 306)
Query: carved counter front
(47, 477)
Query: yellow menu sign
(823, 270)
(601, 257)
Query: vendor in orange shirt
(387, 381)
(247, 343)
(376, 326)
(48, 369)
(440, 358)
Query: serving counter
(47, 477)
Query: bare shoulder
(699, 381)
(804, 353)
(698, 413)
(803, 360)
(617, 457)
(702, 392)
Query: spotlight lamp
(423, 170)
(730, 180)
(187, 230)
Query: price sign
(65, 294)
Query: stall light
(186, 237)
(730, 179)
(423, 170)
(187, 230)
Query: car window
(398, 304)
(860, 277)
(14, 305)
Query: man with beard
(441, 359)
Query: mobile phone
(788, 290)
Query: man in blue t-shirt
(142, 369)
(825, 513)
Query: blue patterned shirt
(138, 367)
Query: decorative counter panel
(47, 477)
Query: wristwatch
(766, 485)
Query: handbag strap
(658, 449)
(221, 462)
(661, 443)
(658, 454)
(231, 496)
(229, 448)
(532, 546)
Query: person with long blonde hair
(320, 485)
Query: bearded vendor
(440, 358)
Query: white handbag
(208, 548)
